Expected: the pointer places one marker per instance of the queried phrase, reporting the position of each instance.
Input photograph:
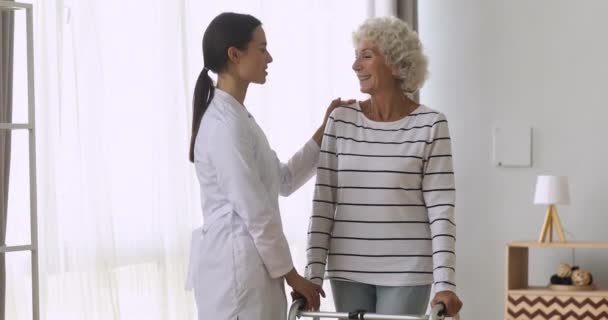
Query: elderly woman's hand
(450, 300)
(306, 289)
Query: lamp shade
(552, 190)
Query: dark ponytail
(225, 31)
(203, 94)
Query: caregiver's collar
(232, 101)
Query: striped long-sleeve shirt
(383, 210)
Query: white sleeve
(323, 207)
(300, 168)
(439, 196)
(232, 154)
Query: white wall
(537, 63)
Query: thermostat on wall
(513, 146)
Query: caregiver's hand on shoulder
(318, 135)
(305, 289)
(333, 105)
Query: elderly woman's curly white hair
(401, 48)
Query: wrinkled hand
(295, 296)
(334, 104)
(307, 290)
(450, 300)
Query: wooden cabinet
(527, 302)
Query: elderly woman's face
(371, 68)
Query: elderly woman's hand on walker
(303, 288)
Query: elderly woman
(383, 228)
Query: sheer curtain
(117, 196)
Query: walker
(437, 313)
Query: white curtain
(117, 195)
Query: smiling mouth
(363, 78)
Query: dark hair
(226, 30)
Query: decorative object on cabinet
(571, 279)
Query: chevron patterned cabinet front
(537, 307)
(526, 301)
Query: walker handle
(296, 306)
(438, 311)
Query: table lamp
(552, 190)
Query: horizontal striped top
(383, 210)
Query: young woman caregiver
(240, 256)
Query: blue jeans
(351, 296)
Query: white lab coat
(240, 254)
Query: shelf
(4, 249)
(27, 34)
(569, 244)
(9, 5)
(544, 291)
(524, 301)
(14, 126)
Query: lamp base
(551, 218)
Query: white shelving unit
(30, 126)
